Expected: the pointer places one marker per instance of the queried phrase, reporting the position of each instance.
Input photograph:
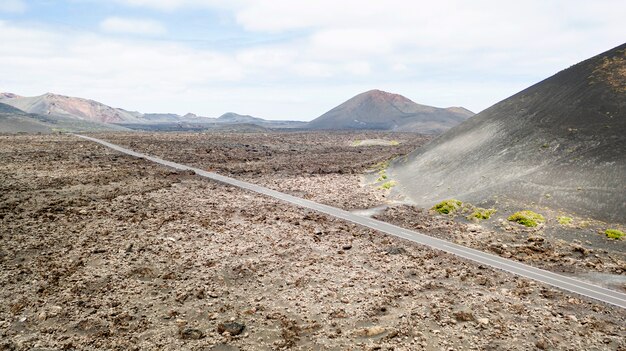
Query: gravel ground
(325, 167)
(103, 251)
(294, 163)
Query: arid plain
(106, 251)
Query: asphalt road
(556, 280)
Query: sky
(294, 59)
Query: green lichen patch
(564, 220)
(482, 213)
(447, 206)
(527, 218)
(614, 234)
(388, 185)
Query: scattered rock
(541, 344)
(233, 328)
(371, 331)
(473, 228)
(190, 334)
(393, 250)
(483, 321)
(464, 316)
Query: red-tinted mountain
(68, 107)
(379, 110)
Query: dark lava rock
(190, 334)
(233, 328)
(395, 250)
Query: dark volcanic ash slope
(379, 110)
(560, 143)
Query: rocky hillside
(379, 110)
(14, 120)
(70, 107)
(560, 143)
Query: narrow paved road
(559, 281)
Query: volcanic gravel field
(326, 167)
(103, 251)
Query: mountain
(70, 107)
(65, 109)
(14, 120)
(560, 143)
(231, 117)
(379, 110)
(174, 118)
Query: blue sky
(286, 59)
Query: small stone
(233, 328)
(190, 334)
(395, 250)
(473, 228)
(572, 318)
(541, 344)
(371, 331)
(464, 316)
(347, 247)
(483, 321)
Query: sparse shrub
(564, 220)
(614, 234)
(527, 218)
(382, 166)
(388, 185)
(382, 177)
(394, 143)
(447, 206)
(482, 213)
(356, 143)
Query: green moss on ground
(614, 234)
(564, 220)
(447, 206)
(482, 213)
(527, 218)
(388, 185)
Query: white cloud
(12, 6)
(91, 65)
(442, 53)
(171, 5)
(132, 26)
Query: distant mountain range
(92, 115)
(379, 110)
(373, 110)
